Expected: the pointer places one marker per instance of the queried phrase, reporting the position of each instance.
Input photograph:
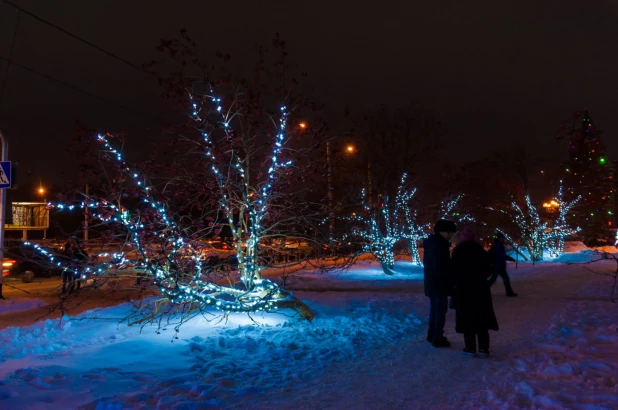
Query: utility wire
(31, 70)
(81, 39)
(6, 71)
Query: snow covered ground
(557, 348)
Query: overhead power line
(76, 37)
(6, 71)
(48, 77)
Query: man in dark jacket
(438, 279)
(499, 257)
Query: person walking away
(68, 278)
(474, 311)
(499, 257)
(438, 281)
(80, 257)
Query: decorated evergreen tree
(589, 172)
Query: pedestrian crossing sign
(5, 174)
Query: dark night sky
(495, 74)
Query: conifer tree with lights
(589, 173)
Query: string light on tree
(378, 229)
(178, 271)
(590, 174)
(538, 235)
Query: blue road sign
(5, 174)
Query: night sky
(495, 74)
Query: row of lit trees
(381, 227)
(241, 171)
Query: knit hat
(467, 235)
(444, 225)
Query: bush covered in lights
(539, 235)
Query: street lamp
(551, 205)
(41, 191)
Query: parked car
(26, 263)
(223, 249)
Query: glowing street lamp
(350, 149)
(551, 205)
(302, 125)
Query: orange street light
(302, 125)
(350, 149)
(551, 204)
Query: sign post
(5, 182)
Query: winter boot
(469, 352)
(441, 343)
(484, 353)
(430, 334)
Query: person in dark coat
(438, 280)
(474, 311)
(499, 257)
(68, 278)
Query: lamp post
(41, 191)
(329, 178)
(3, 156)
(351, 149)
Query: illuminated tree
(537, 234)
(169, 244)
(559, 228)
(379, 228)
(589, 173)
(415, 231)
(410, 229)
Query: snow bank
(581, 256)
(365, 349)
(216, 363)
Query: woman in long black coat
(474, 308)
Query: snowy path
(365, 349)
(526, 364)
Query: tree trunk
(291, 302)
(387, 268)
